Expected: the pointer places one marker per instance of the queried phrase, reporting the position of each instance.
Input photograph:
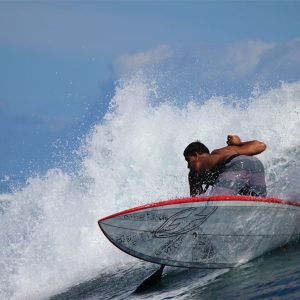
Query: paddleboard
(204, 232)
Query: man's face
(194, 162)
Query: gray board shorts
(243, 175)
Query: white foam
(51, 238)
(6, 197)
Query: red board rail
(205, 199)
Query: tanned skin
(204, 161)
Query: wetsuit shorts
(242, 175)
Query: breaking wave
(50, 239)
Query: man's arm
(235, 146)
(244, 148)
(195, 185)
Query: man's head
(193, 154)
(194, 148)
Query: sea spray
(49, 235)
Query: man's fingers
(229, 139)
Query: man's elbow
(260, 146)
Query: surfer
(232, 170)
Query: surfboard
(204, 232)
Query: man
(232, 170)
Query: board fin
(150, 281)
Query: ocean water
(50, 243)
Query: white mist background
(49, 235)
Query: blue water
(50, 243)
(272, 276)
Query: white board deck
(204, 232)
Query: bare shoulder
(217, 157)
(228, 150)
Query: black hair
(194, 148)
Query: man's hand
(233, 140)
